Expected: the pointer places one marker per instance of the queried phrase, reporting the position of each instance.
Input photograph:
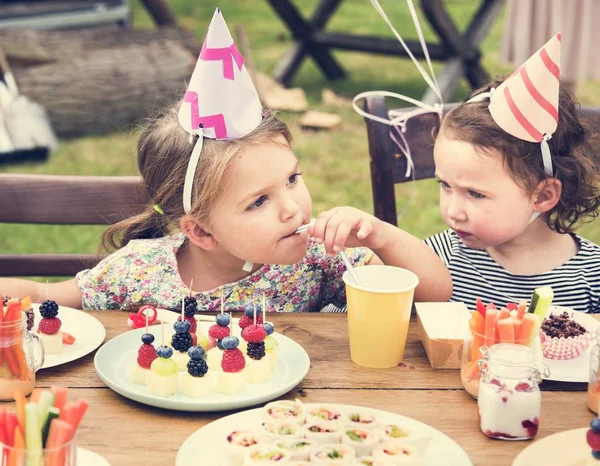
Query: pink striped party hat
(221, 101)
(525, 105)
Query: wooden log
(98, 83)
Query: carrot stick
(60, 434)
(20, 402)
(503, 313)
(528, 324)
(82, 407)
(506, 331)
(477, 340)
(517, 326)
(521, 309)
(13, 365)
(491, 317)
(11, 423)
(60, 396)
(35, 395)
(18, 452)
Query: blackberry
(30, 318)
(49, 309)
(197, 368)
(256, 350)
(181, 342)
(191, 306)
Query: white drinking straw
(350, 268)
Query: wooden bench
(64, 200)
(388, 166)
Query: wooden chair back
(64, 200)
(388, 165)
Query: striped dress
(576, 283)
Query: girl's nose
(289, 208)
(456, 210)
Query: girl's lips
(462, 234)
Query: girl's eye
(476, 195)
(443, 184)
(258, 203)
(294, 178)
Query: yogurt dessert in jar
(509, 400)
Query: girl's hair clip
(158, 209)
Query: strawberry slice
(68, 339)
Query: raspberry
(193, 323)
(146, 354)
(593, 440)
(233, 360)
(49, 326)
(218, 332)
(181, 342)
(197, 368)
(49, 309)
(246, 321)
(254, 333)
(256, 350)
(523, 387)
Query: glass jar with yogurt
(509, 396)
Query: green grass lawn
(335, 164)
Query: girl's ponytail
(146, 225)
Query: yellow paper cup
(379, 314)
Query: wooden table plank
(325, 338)
(126, 432)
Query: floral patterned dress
(145, 272)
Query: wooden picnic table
(127, 433)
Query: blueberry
(182, 326)
(595, 425)
(147, 338)
(596, 454)
(196, 353)
(223, 320)
(219, 344)
(230, 342)
(249, 311)
(164, 351)
(268, 328)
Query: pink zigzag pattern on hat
(226, 55)
(216, 121)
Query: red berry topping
(146, 354)
(233, 360)
(193, 323)
(218, 332)
(245, 321)
(593, 440)
(49, 326)
(523, 387)
(254, 333)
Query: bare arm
(404, 250)
(65, 293)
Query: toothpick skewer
(264, 306)
(183, 309)
(146, 321)
(222, 303)
(254, 313)
(162, 330)
(190, 288)
(47, 298)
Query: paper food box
(442, 327)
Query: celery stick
(52, 413)
(46, 400)
(33, 436)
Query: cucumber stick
(46, 401)
(33, 436)
(541, 301)
(52, 414)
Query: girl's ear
(547, 194)
(197, 234)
